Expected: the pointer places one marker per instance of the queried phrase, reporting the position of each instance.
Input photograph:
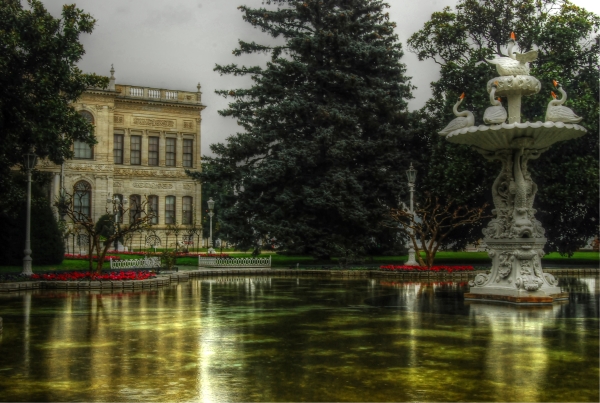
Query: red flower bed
(436, 269)
(83, 276)
(86, 257)
(213, 255)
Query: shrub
(46, 240)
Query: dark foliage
(567, 41)
(46, 240)
(39, 80)
(320, 159)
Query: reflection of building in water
(147, 138)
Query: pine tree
(321, 156)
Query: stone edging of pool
(166, 279)
(159, 281)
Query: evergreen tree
(321, 156)
(567, 175)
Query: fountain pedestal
(514, 236)
(516, 274)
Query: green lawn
(470, 258)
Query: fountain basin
(515, 85)
(528, 135)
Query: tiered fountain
(514, 237)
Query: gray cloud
(175, 44)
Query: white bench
(145, 263)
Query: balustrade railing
(171, 94)
(136, 92)
(145, 263)
(234, 262)
(153, 93)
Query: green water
(283, 339)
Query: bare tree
(107, 229)
(432, 222)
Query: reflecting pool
(285, 339)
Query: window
(136, 150)
(82, 200)
(188, 150)
(153, 208)
(80, 148)
(187, 216)
(170, 210)
(135, 208)
(170, 153)
(118, 149)
(153, 151)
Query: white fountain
(514, 237)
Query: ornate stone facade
(147, 138)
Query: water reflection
(287, 339)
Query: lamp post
(117, 207)
(29, 162)
(411, 174)
(211, 206)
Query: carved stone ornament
(152, 185)
(118, 119)
(154, 122)
(480, 279)
(514, 237)
(188, 186)
(150, 173)
(117, 184)
(88, 167)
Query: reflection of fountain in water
(517, 356)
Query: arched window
(135, 208)
(80, 148)
(82, 200)
(153, 208)
(187, 212)
(170, 210)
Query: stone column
(127, 147)
(144, 151)
(179, 151)
(162, 149)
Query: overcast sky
(175, 44)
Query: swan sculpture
(516, 63)
(558, 113)
(495, 114)
(464, 119)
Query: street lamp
(30, 159)
(211, 206)
(117, 207)
(411, 174)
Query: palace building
(147, 138)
